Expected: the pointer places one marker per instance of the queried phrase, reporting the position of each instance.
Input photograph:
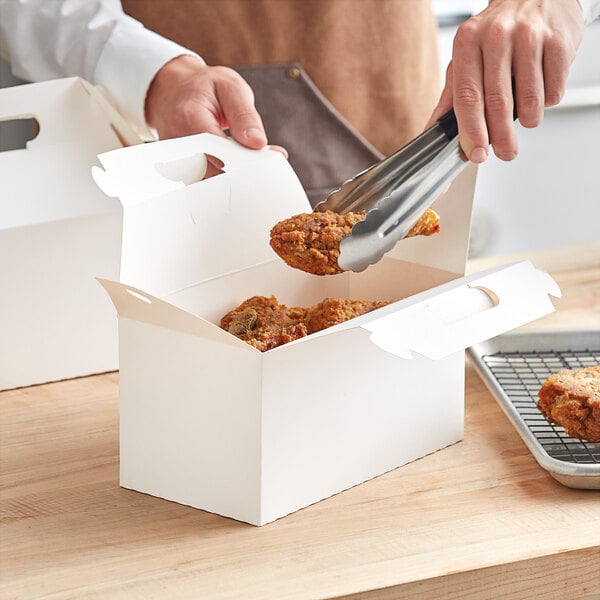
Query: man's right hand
(188, 97)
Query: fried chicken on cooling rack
(571, 398)
(311, 241)
(265, 324)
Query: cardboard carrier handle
(25, 102)
(26, 135)
(39, 101)
(19, 103)
(144, 171)
(467, 314)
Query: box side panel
(390, 279)
(466, 311)
(340, 411)
(212, 299)
(55, 319)
(395, 279)
(220, 224)
(190, 420)
(51, 178)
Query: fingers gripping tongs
(395, 192)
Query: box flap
(132, 303)
(50, 179)
(126, 134)
(466, 311)
(140, 173)
(180, 229)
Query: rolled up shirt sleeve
(129, 61)
(590, 9)
(94, 40)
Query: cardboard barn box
(209, 421)
(58, 231)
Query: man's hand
(188, 97)
(534, 41)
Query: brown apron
(323, 154)
(338, 83)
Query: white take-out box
(58, 232)
(211, 422)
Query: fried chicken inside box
(309, 242)
(265, 323)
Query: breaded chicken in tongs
(358, 223)
(311, 241)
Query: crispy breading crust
(311, 241)
(332, 311)
(571, 398)
(264, 323)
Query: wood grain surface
(477, 520)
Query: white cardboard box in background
(57, 233)
(208, 420)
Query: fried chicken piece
(571, 398)
(264, 323)
(311, 241)
(333, 311)
(428, 224)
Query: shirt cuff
(129, 61)
(590, 10)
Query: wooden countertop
(475, 521)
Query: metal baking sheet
(514, 367)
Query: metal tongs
(395, 192)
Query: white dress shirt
(92, 39)
(590, 9)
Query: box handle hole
(15, 134)
(191, 169)
(490, 293)
(462, 303)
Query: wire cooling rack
(514, 367)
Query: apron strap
(324, 149)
